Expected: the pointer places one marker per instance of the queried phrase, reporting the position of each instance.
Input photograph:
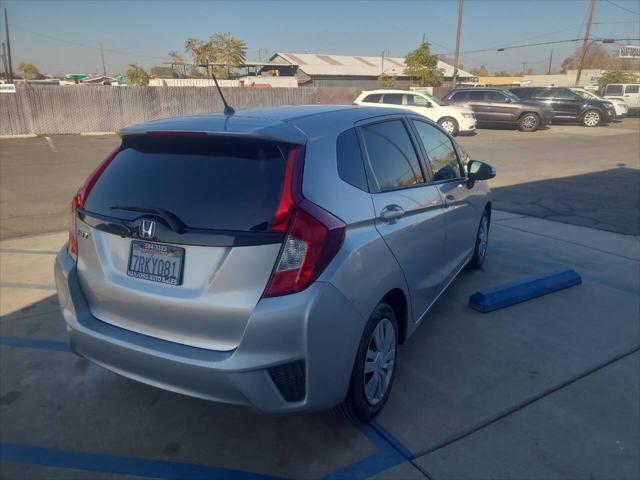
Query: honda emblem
(147, 229)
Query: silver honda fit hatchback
(274, 258)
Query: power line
(622, 8)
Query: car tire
(449, 125)
(529, 122)
(367, 396)
(482, 240)
(591, 118)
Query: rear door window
(417, 101)
(477, 96)
(496, 97)
(208, 183)
(392, 156)
(544, 94)
(614, 90)
(350, 165)
(392, 98)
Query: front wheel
(374, 367)
(529, 122)
(591, 118)
(449, 125)
(482, 240)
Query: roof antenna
(228, 109)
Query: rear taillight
(313, 239)
(291, 190)
(78, 202)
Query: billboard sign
(629, 51)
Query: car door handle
(391, 213)
(449, 200)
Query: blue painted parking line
(35, 343)
(98, 462)
(394, 442)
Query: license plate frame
(144, 252)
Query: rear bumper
(318, 328)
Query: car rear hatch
(176, 238)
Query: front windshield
(434, 99)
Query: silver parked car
(273, 258)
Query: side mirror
(428, 105)
(478, 170)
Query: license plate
(156, 262)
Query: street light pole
(585, 44)
(457, 56)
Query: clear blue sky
(139, 31)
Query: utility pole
(550, 60)
(524, 68)
(104, 68)
(585, 44)
(457, 56)
(9, 62)
(4, 62)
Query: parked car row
(463, 109)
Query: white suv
(453, 120)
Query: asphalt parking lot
(544, 389)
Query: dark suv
(569, 106)
(498, 106)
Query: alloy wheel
(529, 122)
(380, 361)
(591, 119)
(483, 238)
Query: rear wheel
(482, 240)
(449, 125)
(374, 367)
(529, 122)
(591, 118)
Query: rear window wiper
(171, 218)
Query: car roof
(272, 123)
(391, 90)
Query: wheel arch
(397, 300)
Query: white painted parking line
(28, 252)
(51, 145)
(29, 286)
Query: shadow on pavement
(607, 200)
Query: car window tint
(459, 97)
(614, 90)
(393, 159)
(392, 98)
(440, 151)
(372, 98)
(477, 96)
(219, 183)
(350, 166)
(632, 89)
(496, 97)
(543, 94)
(417, 101)
(564, 94)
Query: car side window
(496, 97)
(392, 98)
(393, 158)
(459, 97)
(477, 96)
(543, 94)
(614, 90)
(350, 164)
(564, 94)
(372, 98)
(417, 101)
(440, 152)
(632, 89)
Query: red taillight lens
(78, 202)
(291, 190)
(313, 239)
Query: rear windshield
(209, 183)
